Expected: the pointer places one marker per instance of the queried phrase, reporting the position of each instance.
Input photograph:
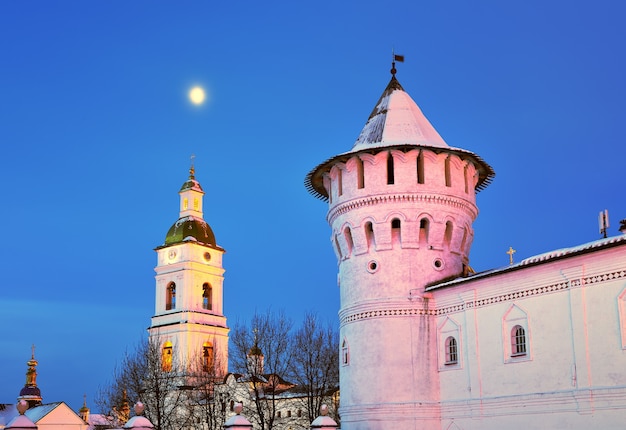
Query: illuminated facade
(425, 342)
(189, 322)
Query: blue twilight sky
(96, 133)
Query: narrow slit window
(447, 172)
(466, 179)
(390, 174)
(420, 168)
(360, 173)
(339, 183)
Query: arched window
(395, 231)
(207, 296)
(207, 357)
(345, 356)
(349, 243)
(390, 173)
(369, 235)
(451, 351)
(170, 296)
(232, 405)
(166, 357)
(423, 237)
(447, 236)
(518, 341)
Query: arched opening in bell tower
(170, 296)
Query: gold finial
(192, 170)
(511, 251)
(33, 351)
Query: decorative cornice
(342, 208)
(508, 297)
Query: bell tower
(189, 323)
(401, 204)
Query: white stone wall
(574, 372)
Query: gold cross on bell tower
(511, 251)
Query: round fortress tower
(401, 207)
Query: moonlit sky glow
(96, 132)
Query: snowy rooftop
(540, 258)
(396, 122)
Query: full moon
(197, 95)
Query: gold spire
(192, 170)
(31, 373)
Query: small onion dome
(30, 391)
(192, 184)
(190, 229)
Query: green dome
(190, 229)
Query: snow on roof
(397, 120)
(38, 412)
(540, 258)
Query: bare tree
(314, 364)
(261, 352)
(145, 376)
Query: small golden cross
(511, 251)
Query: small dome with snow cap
(190, 229)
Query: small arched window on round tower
(423, 236)
(447, 236)
(170, 296)
(347, 233)
(396, 236)
(207, 296)
(447, 172)
(369, 235)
